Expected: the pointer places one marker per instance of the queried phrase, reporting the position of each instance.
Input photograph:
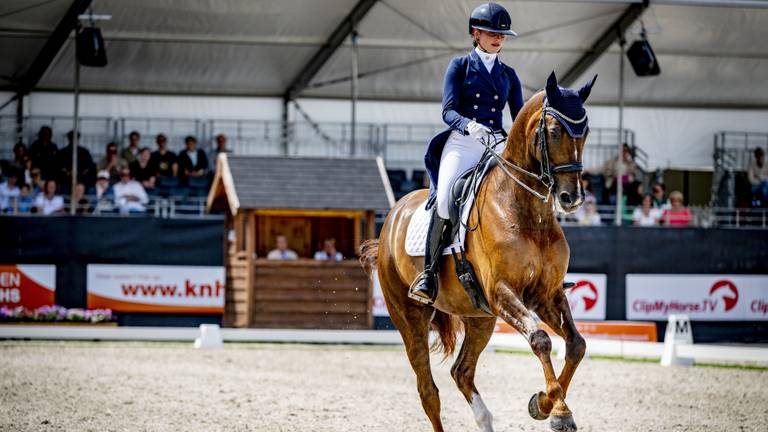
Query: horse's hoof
(563, 423)
(533, 408)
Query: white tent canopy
(710, 56)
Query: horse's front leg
(513, 311)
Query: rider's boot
(424, 288)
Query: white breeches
(461, 154)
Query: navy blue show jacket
(470, 93)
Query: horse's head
(555, 127)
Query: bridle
(546, 178)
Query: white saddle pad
(416, 237)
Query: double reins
(546, 178)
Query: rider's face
(488, 41)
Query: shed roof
(259, 182)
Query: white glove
(478, 131)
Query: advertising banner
(156, 288)
(701, 297)
(27, 285)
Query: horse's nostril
(565, 198)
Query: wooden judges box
(307, 200)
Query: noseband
(546, 178)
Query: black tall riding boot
(424, 289)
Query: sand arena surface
(80, 386)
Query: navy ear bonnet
(567, 105)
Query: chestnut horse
(519, 254)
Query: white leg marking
(483, 417)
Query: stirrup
(412, 292)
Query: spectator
(47, 202)
(83, 205)
(329, 252)
(757, 171)
(164, 161)
(221, 147)
(104, 193)
(590, 216)
(282, 252)
(131, 153)
(112, 163)
(86, 169)
(611, 168)
(193, 162)
(677, 215)
(635, 193)
(44, 153)
(37, 183)
(143, 170)
(9, 190)
(26, 177)
(25, 201)
(20, 156)
(589, 197)
(130, 196)
(659, 201)
(646, 215)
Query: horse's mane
(525, 123)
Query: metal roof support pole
(285, 126)
(602, 44)
(19, 118)
(620, 155)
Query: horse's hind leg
(477, 332)
(558, 316)
(412, 320)
(514, 312)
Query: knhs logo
(584, 291)
(727, 287)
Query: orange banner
(27, 285)
(616, 330)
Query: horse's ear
(587, 89)
(552, 90)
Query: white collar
(487, 58)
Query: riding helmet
(491, 17)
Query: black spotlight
(90, 47)
(642, 58)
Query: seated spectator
(25, 201)
(112, 163)
(131, 153)
(36, 183)
(329, 252)
(47, 202)
(646, 215)
(86, 169)
(192, 161)
(82, 203)
(164, 161)
(104, 193)
(281, 252)
(626, 162)
(44, 154)
(757, 171)
(9, 190)
(589, 197)
(678, 215)
(221, 147)
(635, 193)
(20, 156)
(143, 170)
(590, 216)
(659, 201)
(130, 196)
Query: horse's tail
(369, 255)
(447, 326)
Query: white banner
(588, 297)
(701, 297)
(154, 288)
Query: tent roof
(255, 182)
(709, 56)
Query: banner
(587, 299)
(155, 288)
(701, 297)
(27, 285)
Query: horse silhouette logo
(584, 291)
(727, 287)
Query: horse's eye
(555, 132)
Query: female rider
(476, 88)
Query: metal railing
(171, 207)
(701, 217)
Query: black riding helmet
(491, 17)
